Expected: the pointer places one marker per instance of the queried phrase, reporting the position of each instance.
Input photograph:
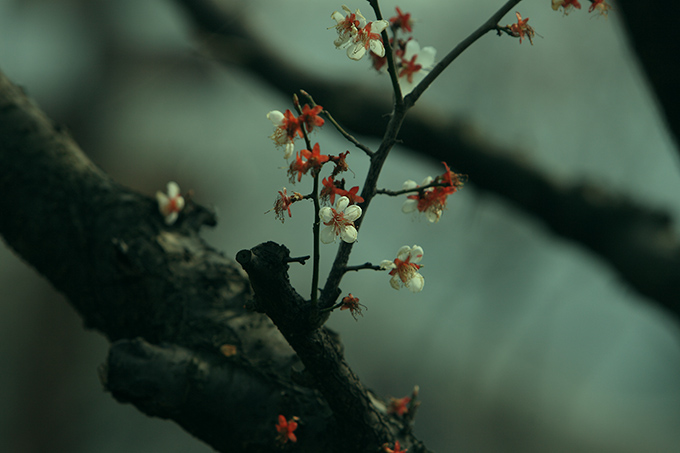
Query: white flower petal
(326, 214)
(416, 253)
(356, 52)
(377, 47)
(275, 117)
(337, 16)
(433, 215)
(409, 184)
(409, 206)
(404, 252)
(163, 201)
(426, 57)
(342, 203)
(427, 181)
(173, 189)
(412, 48)
(170, 218)
(395, 281)
(179, 203)
(327, 235)
(416, 283)
(348, 234)
(387, 264)
(352, 213)
(290, 149)
(378, 26)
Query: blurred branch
(635, 240)
(185, 348)
(653, 33)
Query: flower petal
(433, 215)
(378, 26)
(342, 203)
(348, 234)
(170, 218)
(387, 264)
(290, 148)
(409, 206)
(404, 252)
(173, 189)
(416, 253)
(356, 52)
(275, 117)
(416, 283)
(409, 184)
(352, 213)
(395, 281)
(327, 235)
(427, 56)
(326, 214)
(377, 47)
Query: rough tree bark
(184, 347)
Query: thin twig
(486, 27)
(342, 131)
(363, 266)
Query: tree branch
(185, 348)
(638, 242)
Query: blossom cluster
(288, 127)
(412, 63)
(170, 204)
(432, 199)
(357, 35)
(285, 429)
(601, 6)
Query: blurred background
(520, 341)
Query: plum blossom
(566, 5)
(601, 6)
(285, 429)
(404, 269)
(347, 26)
(522, 29)
(357, 35)
(286, 127)
(339, 221)
(415, 64)
(283, 202)
(432, 201)
(171, 204)
(396, 449)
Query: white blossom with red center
(171, 204)
(566, 5)
(432, 209)
(357, 35)
(286, 128)
(404, 269)
(416, 63)
(339, 221)
(347, 26)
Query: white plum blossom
(171, 204)
(432, 212)
(368, 38)
(416, 63)
(347, 26)
(357, 35)
(339, 221)
(404, 269)
(286, 126)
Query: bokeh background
(520, 341)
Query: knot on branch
(267, 267)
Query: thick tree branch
(638, 242)
(653, 32)
(185, 348)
